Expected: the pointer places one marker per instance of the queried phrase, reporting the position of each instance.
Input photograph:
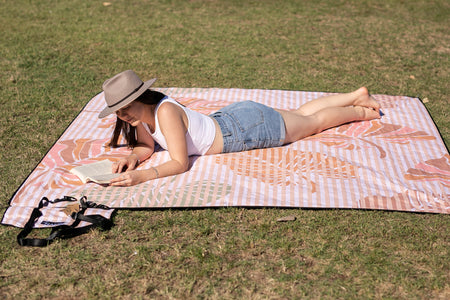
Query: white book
(99, 172)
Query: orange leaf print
(203, 106)
(285, 166)
(412, 200)
(354, 135)
(399, 134)
(54, 169)
(107, 122)
(431, 170)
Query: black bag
(64, 231)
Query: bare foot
(364, 99)
(367, 114)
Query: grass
(54, 55)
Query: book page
(103, 178)
(99, 172)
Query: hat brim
(112, 109)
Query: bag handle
(63, 231)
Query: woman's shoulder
(168, 100)
(169, 107)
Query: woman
(146, 116)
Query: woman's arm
(173, 124)
(142, 151)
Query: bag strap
(63, 231)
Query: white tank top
(199, 136)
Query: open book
(98, 172)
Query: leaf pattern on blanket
(411, 200)
(201, 105)
(284, 166)
(356, 135)
(196, 193)
(431, 170)
(67, 154)
(109, 122)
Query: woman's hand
(130, 178)
(126, 164)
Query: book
(99, 172)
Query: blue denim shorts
(249, 125)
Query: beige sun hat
(121, 90)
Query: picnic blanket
(398, 162)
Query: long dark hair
(149, 97)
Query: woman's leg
(360, 97)
(327, 112)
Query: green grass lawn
(54, 56)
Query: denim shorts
(249, 125)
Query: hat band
(123, 99)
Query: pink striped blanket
(396, 163)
